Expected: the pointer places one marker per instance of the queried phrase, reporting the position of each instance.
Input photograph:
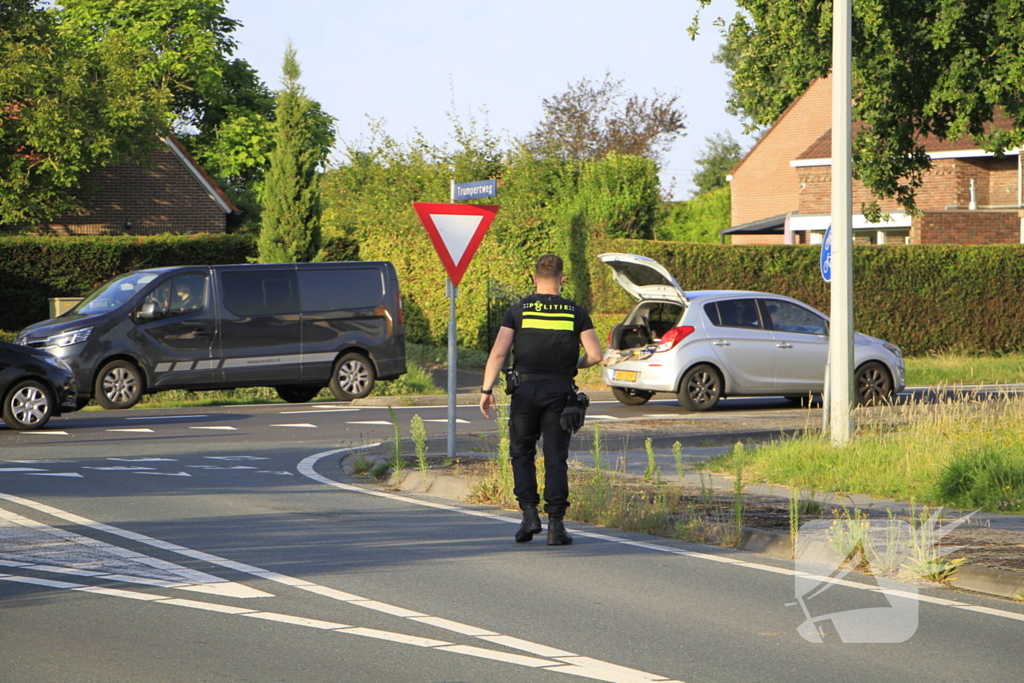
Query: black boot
(530, 525)
(556, 532)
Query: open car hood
(643, 278)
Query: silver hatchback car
(705, 345)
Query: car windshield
(113, 293)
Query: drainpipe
(973, 205)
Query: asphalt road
(226, 545)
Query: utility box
(62, 304)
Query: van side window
(180, 294)
(252, 294)
(347, 288)
(734, 313)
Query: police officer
(545, 332)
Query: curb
(769, 543)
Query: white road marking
(166, 417)
(20, 469)
(26, 543)
(143, 459)
(287, 474)
(222, 467)
(322, 410)
(35, 462)
(223, 429)
(371, 422)
(304, 425)
(44, 432)
(167, 474)
(306, 466)
(118, 468)
(139, 430)
(235, 457)
(579, 667)
(53, 474)
(458, 420)
(602, 417)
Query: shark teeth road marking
(235, 457)
(371, 422)
(134, 430)
(459, 420)
(217, 428)
(44, 432)
(167, 474)
(304, 425)
(53, 474)
(20, 469)
(143, 459)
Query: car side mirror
(147, 312)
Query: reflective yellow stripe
(535, 324)
(563, 314)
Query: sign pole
(453, 356)
(841, 329)
(453, 362)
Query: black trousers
(536, 408)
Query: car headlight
(895, 349)
(53, 360)
(69, 338)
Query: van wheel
(28, 405)
(118, 385)
(293, 393)
(700, 389)
(874, 386)
(631, 397)
(353, 377)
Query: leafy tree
(291, 195)
(720, 154)
(219, 107)
(590, 119)
(67, 106)
(940, 69)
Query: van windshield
(112, 293)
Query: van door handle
(200, 331)
(721, 343)
(784, 346)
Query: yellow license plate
(625, 375)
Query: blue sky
(404, 60)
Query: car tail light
(673, 337)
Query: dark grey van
(297, 327)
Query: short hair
(549, 266)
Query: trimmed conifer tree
(291, 194)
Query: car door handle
(720, 343)
(784, 346)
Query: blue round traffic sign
(825, 261)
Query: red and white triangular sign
(456, 231)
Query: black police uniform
(546, 348)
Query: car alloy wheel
(700, 388)
(118, 385)
(353, 377)
(29, 405)
(874, 386)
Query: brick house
(968, 196)
(171, 193)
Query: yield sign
(456, 231)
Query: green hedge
(33, 269)
(922, 298)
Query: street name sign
(456, 231)
(482, 188)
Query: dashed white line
(223, 429)
(20, 469)
(138, 430)
(43, 432)
(166, 474)
(53, 474)
(166, 417)
(371, 422)
(322, 410)
(302, 425)
(143, 459)
(458, 420)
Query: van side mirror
(147, 312)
